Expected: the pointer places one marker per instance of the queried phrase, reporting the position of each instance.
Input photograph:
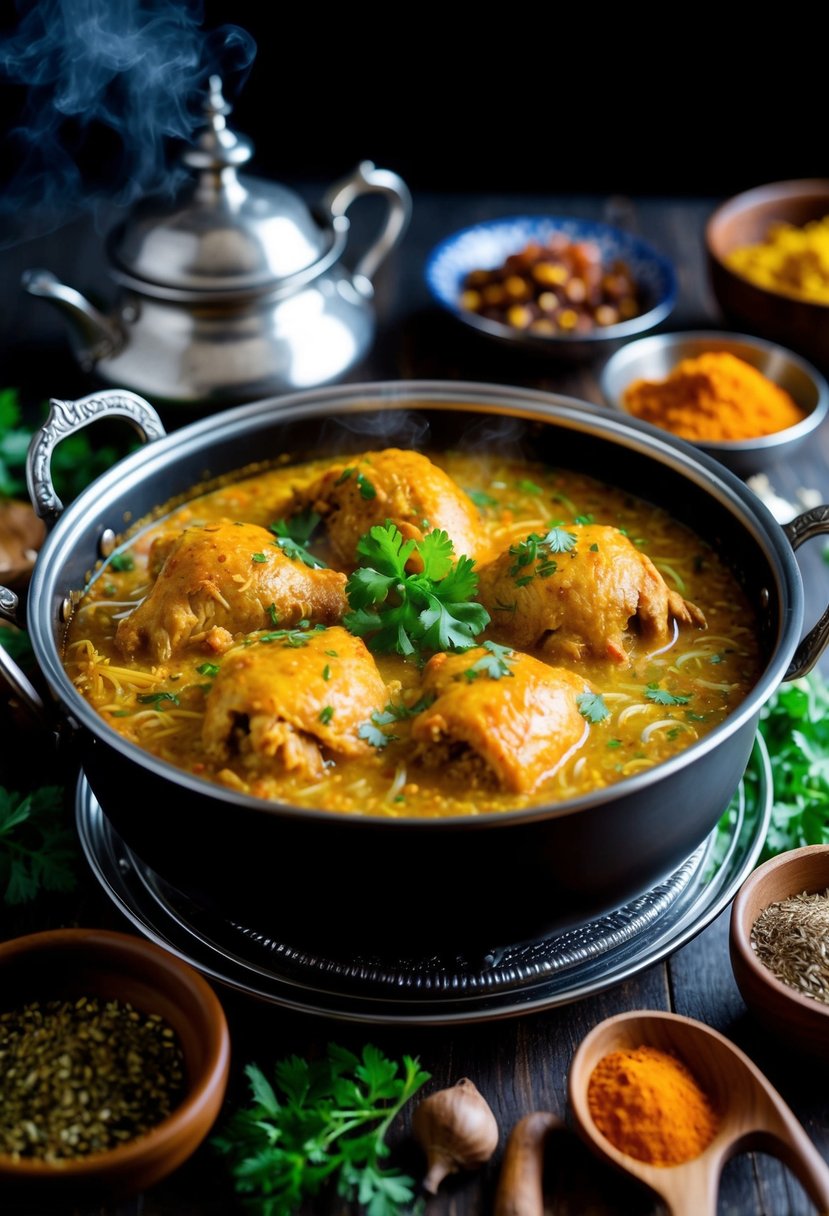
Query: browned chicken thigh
(516, 728)
(283, 704)
(576, 594)
(223, 578)
(403, 486)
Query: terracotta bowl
(111, 965)
(799, 1020)
(801, 325)
(656, 356)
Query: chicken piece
(403, 486)
(519, 726)
(285, 703)
(579, 602)
(229, 577)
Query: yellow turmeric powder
(792, 261)
(650, 1106)
(715, 396)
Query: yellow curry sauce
(657, 701)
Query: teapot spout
(96, 336)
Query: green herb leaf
(405, 612)
(321, 1128)
(122, 562)
(661, 696)
(592, 706)
(794, 723)
(157, 698)
(481, 499)
(259, 558)
(208, 669)
(326, 714)
(37, 850)
(294, 534)
(495, 664)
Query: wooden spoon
(752, 1113)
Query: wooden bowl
(801, 325)
(115, 966)
(798, 1020)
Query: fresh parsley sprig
(408, 612)
(37, 849)
(322, 1126)
(794, 723)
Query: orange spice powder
(649, 1105)
(715, 396)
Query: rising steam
(105, 86)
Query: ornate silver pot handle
(804, 527)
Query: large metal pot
(328, 879)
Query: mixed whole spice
(84, 1075)
(791, 938)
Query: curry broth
(660, 701)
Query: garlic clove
(456, 1129)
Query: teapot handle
(366, 179)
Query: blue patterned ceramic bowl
(487, 245)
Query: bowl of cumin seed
(115, 1063)
(779, 946)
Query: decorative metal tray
(255, 960)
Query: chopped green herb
(661, 696)
(372, 734)
(258, 557)
(272, 614)
(293, 535)
(592, 706)
(529, 487)
(326, 714)
(344, 476)
(37, 848)
(208, 669)
(290, 637)
(614, 743)
(157, 698)
(482, 500)
(403, 612)
(594, 548)
(367, 490)
(321, 1130)
(110, 589)
(584, 519)
(715, 658)
(122, 562)
(326, 673)
(495, 664)
(332, 654)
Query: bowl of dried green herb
(779, 945)
(115, 1062)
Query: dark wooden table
(520, 1063)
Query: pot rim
(367, 397)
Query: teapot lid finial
(216, 146)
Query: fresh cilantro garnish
(371, 732)
(481, 499)
(326, 714)
(326, 673)
(273, 614)
(558, 540)
(495, 664)
(157, 698)
(208, 669)
(536, 551)
(529, 487)
(794, 723)
(366, 488)
(122, 562)
(592, 706)
(661, 696)
(291, 637)
(594, 548)
(37, 850)
(408, 612)
(294, 534)
(258, 557)
(584, 519)
(321, 1128)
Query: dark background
(461, 99)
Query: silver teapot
(233, 291)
